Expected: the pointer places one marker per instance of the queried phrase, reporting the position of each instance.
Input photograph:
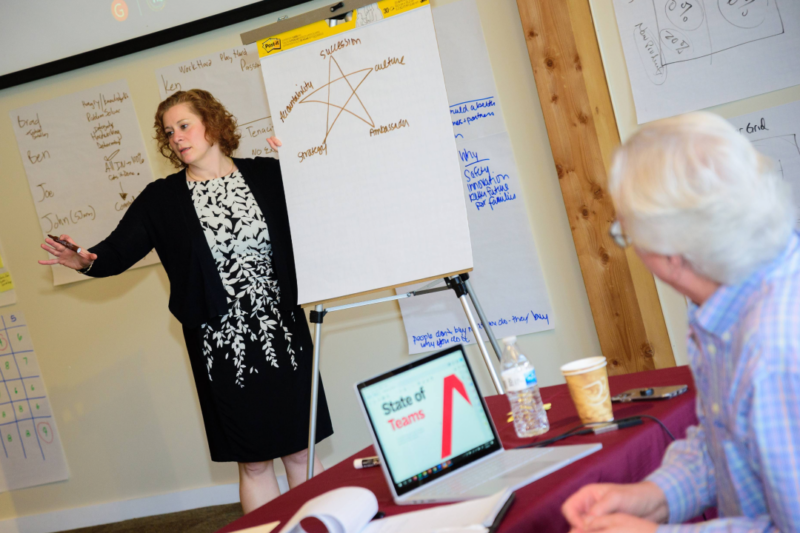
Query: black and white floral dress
(257, 388)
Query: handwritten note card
(30, 447)
(507, 276)
(5, 282)
(775, 132)
(86, 162)
(8, 295)
(683, 56)
(233, 76)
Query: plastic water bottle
(522, 389)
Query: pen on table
(66, 244)
(366, 462)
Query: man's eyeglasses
(615, 230)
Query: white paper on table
(368, 159)
(472, 516)
(30, 447)
(775, 132)
(474, 108)
(507, 277)
(234, 77)
(343, 510)
(685, 56)
(86, 162)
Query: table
(628, 455)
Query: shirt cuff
(681, 490)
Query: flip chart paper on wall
(685, 56)
(507, 277)
(233, 76)
(31, 452)
(775, 132)
(474, 108)
(369, 161)
(86, 162)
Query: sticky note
(5, 282)
(1, 261)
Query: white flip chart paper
(507, 277)
(30, 447)
(685, 55)
(86, 162)
(368, 159)
(234, 77)
(775, 132)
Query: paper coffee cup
(587, 380)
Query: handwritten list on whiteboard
(234, 77)
(86, 163)
(507, 275)
(684, 56)
(30, 446)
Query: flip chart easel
(326, 25)
(459, 284)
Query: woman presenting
(221, 230)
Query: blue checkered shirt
(744, 456)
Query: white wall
(672, 303)
(113, 357)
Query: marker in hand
(66, 244)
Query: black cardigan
(163, 217)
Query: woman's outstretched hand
(274, 143)
(65, 256)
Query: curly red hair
(219, 123)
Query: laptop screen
(429, 418)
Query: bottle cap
(510, 341)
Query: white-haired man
(709, 216)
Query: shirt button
(726, 336)
(715, 408)
(711, 349)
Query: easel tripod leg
(484, 352)
(312, 418)
(482, 316)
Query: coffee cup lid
(581, 366)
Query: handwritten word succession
(458, 334)
(483, 185)
(466, 113)
(344, 43)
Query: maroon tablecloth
(628, 455)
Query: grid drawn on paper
(685, 34)
(14, 404)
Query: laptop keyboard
(462, 482)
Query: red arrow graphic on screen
(451, 384)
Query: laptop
(436, 439)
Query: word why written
(466, 113)
(484, 186)
(458, 334)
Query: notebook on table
(436, 439)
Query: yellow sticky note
(5, 282)
(1, 261)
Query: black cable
(587, 429)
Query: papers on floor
(507, 275)
(233, 76)
(685, 56)
(86, 162)
(774, 132)
(350, 509)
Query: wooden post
(575, 100)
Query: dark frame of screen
(152, 40)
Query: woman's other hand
(274, 143)
(65, 256)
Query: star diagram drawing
(343, 89)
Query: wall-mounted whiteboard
(369, 161)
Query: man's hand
(643, 500)
(274, 143)
(618, 523)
